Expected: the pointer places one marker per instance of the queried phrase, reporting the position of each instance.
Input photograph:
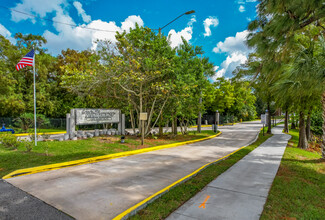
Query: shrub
(28, 145)
(8, 140)
(26, 121)
(316, 122)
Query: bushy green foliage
(28, 145)
(26, 121)
(9, 141)
(316, 123)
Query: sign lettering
(97, 116)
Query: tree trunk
(161, 128)
(293, 125)
(308, 122)
(286, 122)
(269, 119)
(132, 121)
(303, 144)
(140, 109)
(175, 125)
(323, 126)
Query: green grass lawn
(298, 190)
(175, 197)
(55, 151)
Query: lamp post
(186, 13)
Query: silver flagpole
(34, 101)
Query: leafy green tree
(277, 25)
(221, 97)
(189, 83)
(11, 103)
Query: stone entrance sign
(88, 116)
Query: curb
(26, 134)
(134, 209)
(56, 166)
(202, 126)
(208, 126)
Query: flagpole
(34, 102)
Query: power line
(59, 22)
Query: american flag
(27, 60)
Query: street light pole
(159, 29)
(186, 13)
(199, 120)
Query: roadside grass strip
(298, 190)
(167, 200)
(56, 166)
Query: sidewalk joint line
(237, 191)
(184, 215)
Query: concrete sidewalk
(241, 191)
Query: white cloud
(229, 65)
(4, 32)
(241, 8)
(81, 12)
(175, 38)
(242, 2)
(231, 44)
(192, 21)
(79, 38)
(217, 73)
(130, 22)
(37, 8)
(236, 50)
(210, 21)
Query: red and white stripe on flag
(27, 60)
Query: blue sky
(217, 25)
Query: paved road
(105, 189)
(17, 204)
(240, 192)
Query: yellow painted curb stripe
(56, 166)
(202, 126)
(130, 210)
(26, 134)
(207, 126)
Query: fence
(223, 119)
(54, 123)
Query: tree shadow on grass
(297, 191)
(320, 160)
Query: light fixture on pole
(186, 13)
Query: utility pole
(199, 120)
